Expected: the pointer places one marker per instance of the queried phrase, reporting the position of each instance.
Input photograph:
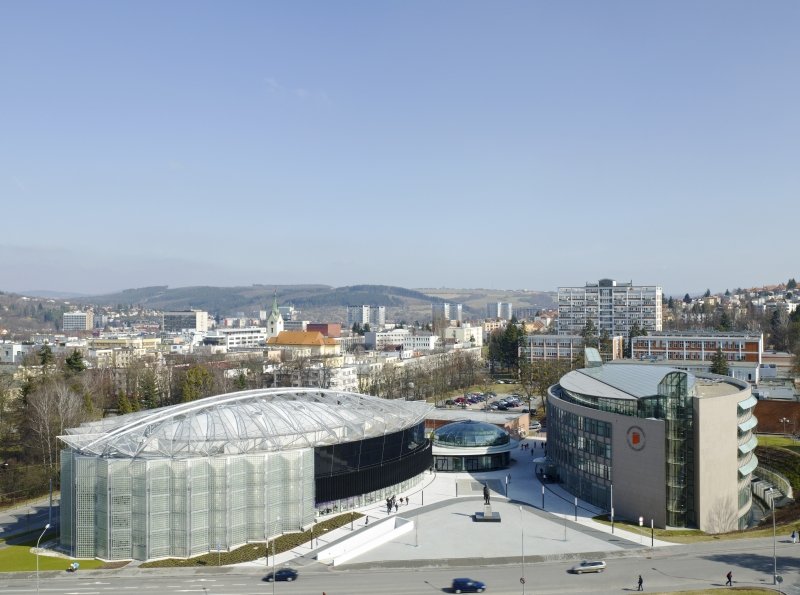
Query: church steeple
(274, 320)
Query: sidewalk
(444, 499)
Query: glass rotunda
(471, 445)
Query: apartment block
(78, 321)
(613, 308)
(446, 313)
(502, 310)
(375, 316)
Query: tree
(123, 403)
(51, 408)
(707, 293)
(74, 363)
(671, 303)
(538, 375)
(725, 322)
(149, 392)
(719, 363)
(636, 331)
(197, 383)
(791, 284)
(589, 334)
(687, 299)
(45, 356)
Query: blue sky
(422, 144)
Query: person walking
(729, 576)
(794, 536)
(640, 584)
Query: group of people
(393, 502)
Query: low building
(699, 346)
(565, 347)
(472, 446)
(313, 343)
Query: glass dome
(470, 433)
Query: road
(697, 566)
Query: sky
(509, 145)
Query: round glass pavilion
(471, 445)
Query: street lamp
(771, 492)
(46, 527)
(784, 421)
(273, 559)
(522, 546)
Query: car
(282, 574)
(589, 566)
(449, 402)
(535, 425)
(467, 585)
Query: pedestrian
(640, 584)
(396, 506)
(729, 576)
(794, 536)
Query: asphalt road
(698, 566)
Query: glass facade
(490, 446)
(580, 446)
(344, 472)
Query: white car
(589, 566)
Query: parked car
(535, 425)
(589, 566)
(467, 585)
(282, 574)
(449, 402)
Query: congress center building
(230, 469)
(655, 443)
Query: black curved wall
(355, 468)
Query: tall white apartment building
(78, 321)
(446, 312)
(612, 307)
(375, 316)
(502, 310)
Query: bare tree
(51, 408)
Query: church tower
(274, 320)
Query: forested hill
(227, 300)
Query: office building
(374, 316)
(78, 321)
(613, 308)
(186, 320)
(677, 448)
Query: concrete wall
(639, 469)
(716, 453)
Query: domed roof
(252, 421)
(470, 433)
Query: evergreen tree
(148, 389)
(74, 362)
(671, 303)
(791, 284)
(687, 299)
(724, 322)
(589, 334)
(719, 364)
(45, 355)
(123, 404)
(707, 293)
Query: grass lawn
(17, 556)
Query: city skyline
(455, 144)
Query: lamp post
(522, 546)
(771, 492)
(46, 527)
(274, 539)
(784, 421)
